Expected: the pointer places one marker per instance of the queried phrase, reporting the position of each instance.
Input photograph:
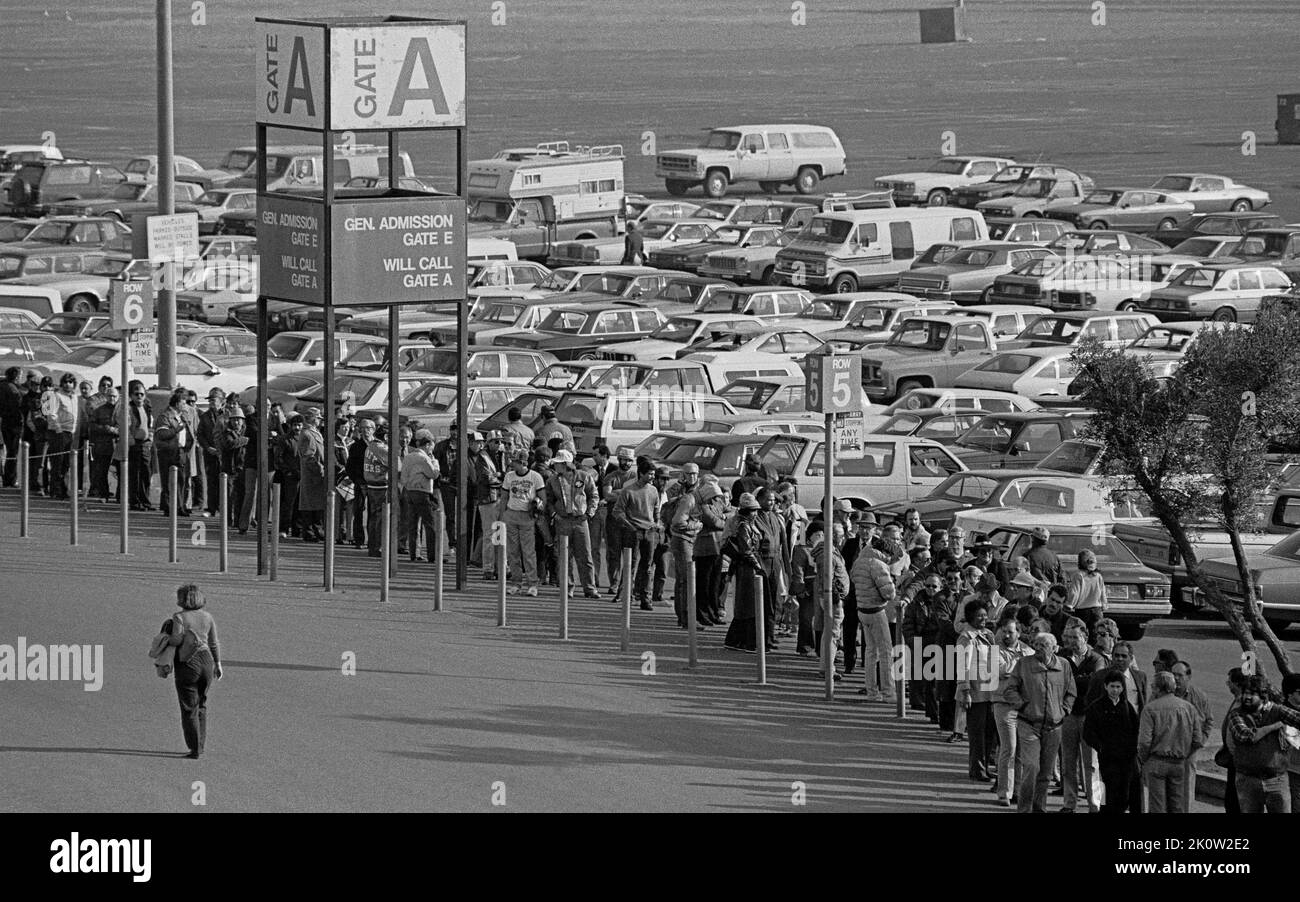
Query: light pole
(166, 193)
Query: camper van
(302, 165)
(539, 196)
(858, 249)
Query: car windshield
(442, 361)
(433, 395)
(947, 166)
(60, 324)
(108, 266)
(559, 280)
(1036, 188)
(1174, 183)
(1160, 338)
(581, 410)
(126, 191)
(566, 322)
(936, 253)
(92, 356)
(1071, 457)
(212, 198)
(1013, 364)
(1104, 198)
(15, 231)
(727, 235)
(1202, 247)
(1196, 278)
(491, 211)
(1011, 174)
(990, 434)
(965, 488)
(827, 231)
(655, 229)
(501, 313)
(10, 264)
(285, 346)
(972, 257)
(238, 160)
(679, 329)
(748, 395)
(1268, 244)
(1038, 269)
(871, 318)
(1287, 548)
(1050, 328)
(900, 424)
(713, 210)
(918, 333)
(826, 308)
(53, 232)
(607, 283)
(720, 140)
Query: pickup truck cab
(45, 183)
(925, 352)
(878, 318)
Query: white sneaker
(515, 590)
(532, 592)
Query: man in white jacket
(874, 588)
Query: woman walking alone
(198, 662)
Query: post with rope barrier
(760, 628)
(626, 585)
(223, 486)
(25, 504)
(562, 561)
(273, 558)
(173, 554)
(386, 547)
(440, 549)
(692, 606)
(74, 493)
(499, 540)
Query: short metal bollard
(331, 530)
(562, 563)
(25, 505)
(173, 475)
(273, 564)
(387, 551)
(440, 549)
(223, 487)
(499, 540)
(74, 494)
(625, 577)
(760, 628)
(692, 606)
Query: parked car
(1067, 330)
(625, 417)
(530, 404)
(46, 183)
(1003, 440)
(832, 312)
(145, 169)
(747, 264)
(935, 184)
(1119, 285)
(775, 394)
(571, 374)
(1218, 224)
(1011, 178)
(73, 231)
(1162, 347)
(129, 198)
(689, 257)
(1277, 579)
(772, 155)
(967, 276)
(1278, 246)
(939, 424)
(971, 489)
(1006, 320)
(1212, 193)
(1032, 230)
(1138, 209)
(1032, 372)
(211, 289)
(81, 278)
(580, 332)
(434, 406)
(877, 320)
(18, 319)
(500, 364)
(638, 207)
(1209, 248)
(1036, 197)
(655, 234)
(678, 333)
(757, 338)
(1112, 283)
(925, 352)
(772, 304)
(1224, 292)
(97, 359)
(74, 329)
(1099, 242)
(213, 203)
(30, 347)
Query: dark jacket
(1083, 673)
(1097, 686)
(234, 447)
(103, 428)
(1111, 729)
(284, 458)
(713, 520)
(11, 403)
(211, 424)
(1045, 565)
(356, 463)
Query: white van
(725, 367)
(626, 417)
(857, 249)
(772, 155)
(303, 165)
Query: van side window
(633, 413)
(900, 235)
(753, 143)
(777, 141)
(971, 336)
(963, 229)
(813, 139)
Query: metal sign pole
(223, 486)
(394, 433)
(562, 554)
(327, 432)
(25, 504)
(173, 502)
(166, 193)
(74, 491)
(439, 548)
(626, 586)
(828, 544)
(275, 533)
(760, 628)
(124, 436)
(387, 552)
(461, 521)
(501, 570)
(263, 439)
(692, 606)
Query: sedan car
(677, 333)
(939, 424)
(1006, 440)
(1099, 242)
(1224, 292)
(966, 490)
(30, 346)
(74, 231)
(689, 257)
(655, 234)
(1008, 179)
(766, 396)
(211, 204)
(93, 361)
(1138, 209)
(757, 338)
(530, 404)
(1276, 573)
(76, 328)
(435, 404)
(936, 183)
(770, 303)
(1206, 247)
(1032, 372)
(1218, 224)
(215, 286)
(501, 364)
(967, 276)
(129, 198)
(1036, 197)
(1062, 330)
(580, 332)
(1212, 193)
(1031, 230)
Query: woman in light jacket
(198, 663)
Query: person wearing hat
(172, 440)
(713, 510)
(485, 477)
(635, 516)
(234, 448)
(446, 452)
(418, 477)
(753, 479)
(682, 524)
(742, 550)
(1044, 565)
(286, 468)
(551, 425)
(1086, 596)
(873, 587)
(374, 469)
(611, 483)
(522, 489)
(11, 424)
(312, 484)
(572, 495)
(212, 423)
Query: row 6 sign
(377, 73)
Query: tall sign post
(130, 309)
(166, 187)
(833, 388)
(380, 247)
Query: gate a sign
(834, 383)
(378, 73)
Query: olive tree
(1195, 444)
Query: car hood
(698, 249)
(944, 270)
(989, 189)
(995, 381)
(1226, 567)
(1075, 209)
(910, 177)
(646, 347)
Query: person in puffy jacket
(873, 586)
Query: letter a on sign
(299, 84)
(417, 51)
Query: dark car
(45, 183)
(237, 222)
(1016, 439)
(690, 257)
(939, 424)
(1218, 224)
(577, 333)
(1100, 242)
(1006, 181)
(30, 347)
(73, 231)
(75, 328)
(530, 405)
(129, 198)
(960, 492)
(1279, 245)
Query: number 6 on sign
(130, 305)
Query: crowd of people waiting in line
(1044, 693)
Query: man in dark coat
(1110, 726)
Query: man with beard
(1259, 752)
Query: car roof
(1082, 315)
(950, 318)
(1208, 175)
(1053, 351)
(1035, 416)
(994, 309)
(1224, 267)
(1008, 473)
(688, 220)
(724, 438)
(779, 381)
(791, 125)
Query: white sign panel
(143, 350)
(850, 436)
(173, 238)
(397, 76)
(290, 74)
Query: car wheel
(770, 187)
(807, 180)
(1224, 315)
(1098, 225)
(1165, 225)
(676, 187)
(937, 198)
(83, 303)
(715, 183)
(588, 355)
(585, 236)
(1032, 214)
(1277, 626)
(1241, 206)
(844, 283)
(1127, 306)
(117, 214)
(908, 385)
(986, 296)
(1131, 632)
(766, 277)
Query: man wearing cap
(355, 467)
(287, 469)
(418, 476)
(485, 483)
(636, 513)
(611, 483)
(312, 484)
(552, 426)
(375, 470)
(572, 494)
(173, 439)
(233, 444)
(742, 549)
(521, 434)
(1044, 565)
(212, 423)
(446, 453)
(683, 519)
(874, 590)
(522, 489)
(711, 505)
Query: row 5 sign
(834, 383)
(377, 74)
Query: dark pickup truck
(534, 226)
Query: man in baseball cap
(1044, 565)
(571, 492)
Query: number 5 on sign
(130, 305)
(834, 383)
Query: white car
(213, 203)
(655, 234)
(91, 362)
(783, 340)
(935, 184)
(678, 333)
(1212, 193)
(1032, 372)
(1051, 501)
(145, 169)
